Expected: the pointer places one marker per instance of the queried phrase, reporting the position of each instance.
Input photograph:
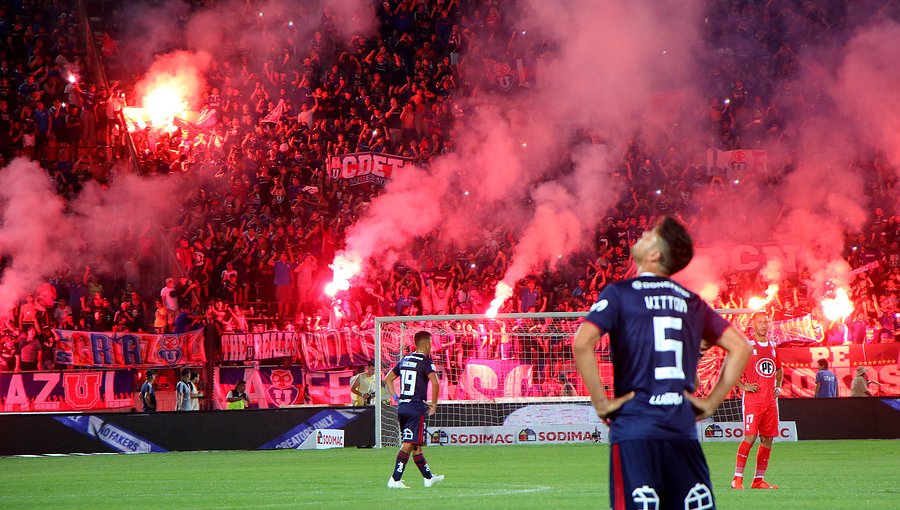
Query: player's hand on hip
(751, 388)
(703, 408)
(609, 406)
(432, 408)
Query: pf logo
(282, 390)
(170, 349)
(765, 367)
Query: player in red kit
(761, 384)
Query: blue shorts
(659, 475)
(412, 425)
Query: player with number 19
(414, 371)
(657, 329)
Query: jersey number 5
(408, 381)
(662, 343)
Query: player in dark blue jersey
(414, 372)
(657, 329)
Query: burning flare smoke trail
(503, 292)
(345, 267)
(758, 303)
(839, 307)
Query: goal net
(510, 379)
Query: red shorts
(761, 421)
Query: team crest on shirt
(599, 306)
(637, 285)
(765, 367)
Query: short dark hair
(679, 247)
(823, 363)
(149, 373)
(186, 372)
(422, 337)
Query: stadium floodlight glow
(72, 78)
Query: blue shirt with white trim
(655, 328)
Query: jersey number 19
(408, 382)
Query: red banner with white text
(800, 367)
(337, 348)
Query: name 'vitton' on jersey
(655, 327)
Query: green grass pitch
(814, 475)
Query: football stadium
(498, 253)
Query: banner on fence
(800, 367)
(337, 348)
(322, 350)
(363, 167)
(267, 387)
(259, 346)
(754, 256)
(330, 388)
(66, 391)
(132, 350)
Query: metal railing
(94, 61)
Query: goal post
(514, 373)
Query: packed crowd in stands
(254, 246)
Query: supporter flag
(207, 119)
(330, 387)
(275, 115)
(738, 162)
(267, 387)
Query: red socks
(762, 462)
(742, 454)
